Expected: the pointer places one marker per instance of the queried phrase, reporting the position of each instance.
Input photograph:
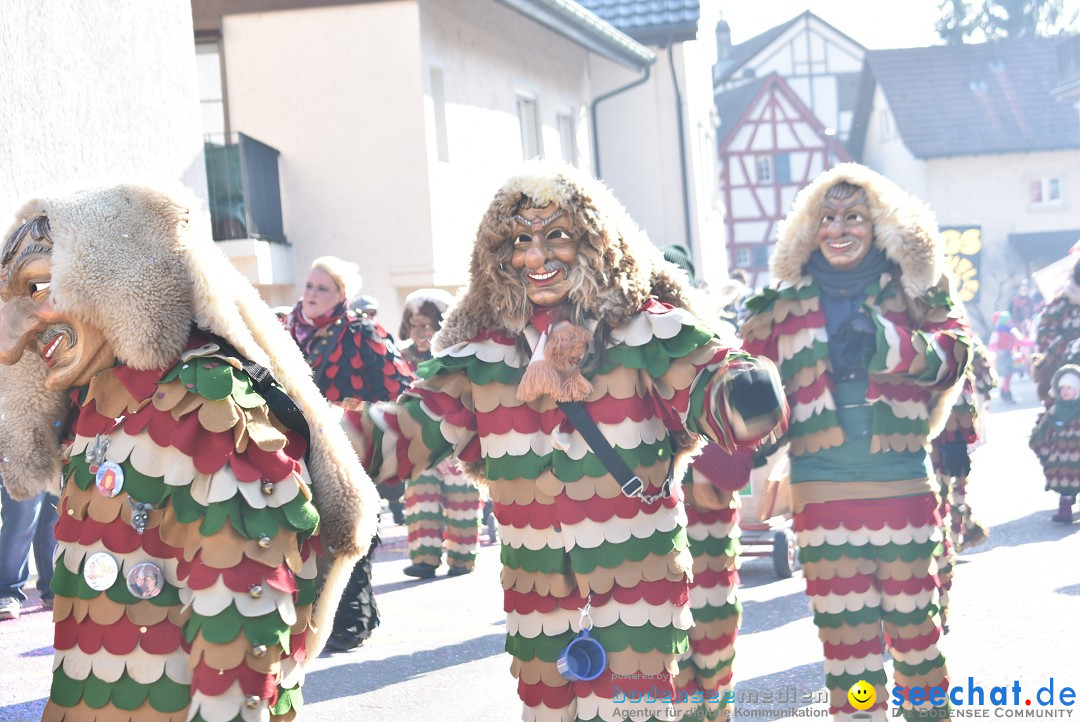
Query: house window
(531, 144)
(438, 101)
(782, 168)
(211, 90)
(885, 124)
(565, 124)
(764, 170)
(1045, 191)
(742, 257)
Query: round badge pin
(100, 571)
(145, 580)
(109, 479)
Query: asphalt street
(439, 651)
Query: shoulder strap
(279, 402)
(631, 483)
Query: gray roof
(577, 23)
(951, 100)
(744, 51)
(652, 22)
(733, 104)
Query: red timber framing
(775, 148)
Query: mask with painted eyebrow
(538, 223)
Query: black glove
(753, 392)
(853, 343)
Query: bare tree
(965, 20)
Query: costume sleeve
(696, 377)
(429, 422)
(934, 355)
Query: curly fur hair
(430, 302)
(904, 228)
(138, 262)
(617, 269)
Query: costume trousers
(26, 524)
(871, 575)
(587, 547)
(442, 513)
(714, 544)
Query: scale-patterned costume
(442, 507)
(186, 577)
(1056, 439)
(869, 540)
(569, 533)
(712, 513)
(952, 465)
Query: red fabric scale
(897, 513)
(709, 578)
(859, 650)
(568, 511)
(861, 584)
(707, 645)
(239, 578)
(538, 694)
(529, 602)
(119, 638)
(918, 643)
(449, 408)
(460, 505)
(216, 682)
(809, 394)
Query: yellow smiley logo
(862, 695)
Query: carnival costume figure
(712, 513)
(1056, 439)
(203, 473)
(872, 352)
(568, 303)
(442, 507)
(1057, 343)
(352, 359)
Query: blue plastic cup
(583, 660)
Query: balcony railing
(245, 192)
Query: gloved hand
(753, 392)
(854, 342)
(755, 400)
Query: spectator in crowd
(352, 359)
(25, 525)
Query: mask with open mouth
(73, 350)
(545, 249)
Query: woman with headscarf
(352, 359)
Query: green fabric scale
(165, 695)
(615, 638)
(213, 380)
(656, 355)
(885, 552)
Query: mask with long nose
(72, 349)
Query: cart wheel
(785, 554)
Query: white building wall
(991, 191)
(478, 45)
(347, 116)
(885, 152)
(96, 90)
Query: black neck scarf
(845, 284)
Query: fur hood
(138, 262)
(618, 268)
(904, 228)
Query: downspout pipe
(592, 113)
(682, 149)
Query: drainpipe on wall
(592, 114)
(682, 150)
